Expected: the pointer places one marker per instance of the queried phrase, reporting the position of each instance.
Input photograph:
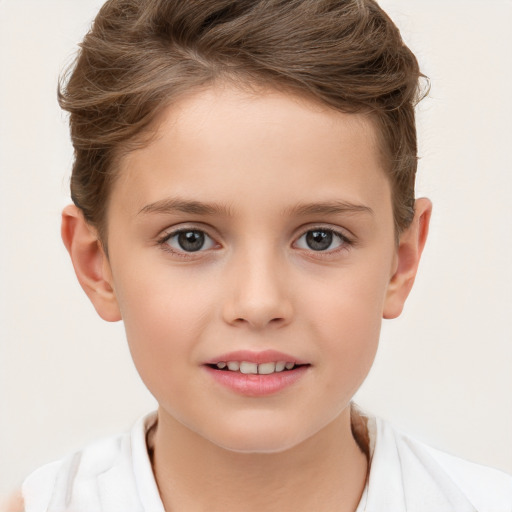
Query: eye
(188, 240)
(321, 239)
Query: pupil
(319, 240)
(191, 240)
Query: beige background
(444, 369)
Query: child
(244, 201)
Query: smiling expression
(251, 245)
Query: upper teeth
(254, 368)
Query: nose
(257, 294)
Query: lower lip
(257, 385)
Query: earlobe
(412, 242)
(91, 265)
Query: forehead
(244, 148)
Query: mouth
(256, 374)
(249, 368)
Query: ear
(411, 244)
(90, 262)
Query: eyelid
(348, 240)
(187, 226)
(341, 231)
(173, 231)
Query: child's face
(253, 223)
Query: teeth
(280, 366)
(248, 368)
(266, 368)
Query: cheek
(159, 299)
(346, 317)
(349, 334)
(351, 299)
(164, 319)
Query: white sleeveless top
(115, 475)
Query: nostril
(257, 322)
(257, 310)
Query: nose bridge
(257, 293)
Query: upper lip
(265, 356)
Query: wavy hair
(142, 55)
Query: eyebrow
(329, 208)
(172, 205)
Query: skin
(258, 159)
(14, 503)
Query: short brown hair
(141, 55)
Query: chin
(259, 439)
(258, 446)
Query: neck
(326, 472)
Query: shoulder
(14, 503)
(487, 488)
(427, 479)
(50, 486)
(101, 476)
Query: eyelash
(163, 242)
(345, 242)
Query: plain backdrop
(444, 369)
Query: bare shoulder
(13, 503)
